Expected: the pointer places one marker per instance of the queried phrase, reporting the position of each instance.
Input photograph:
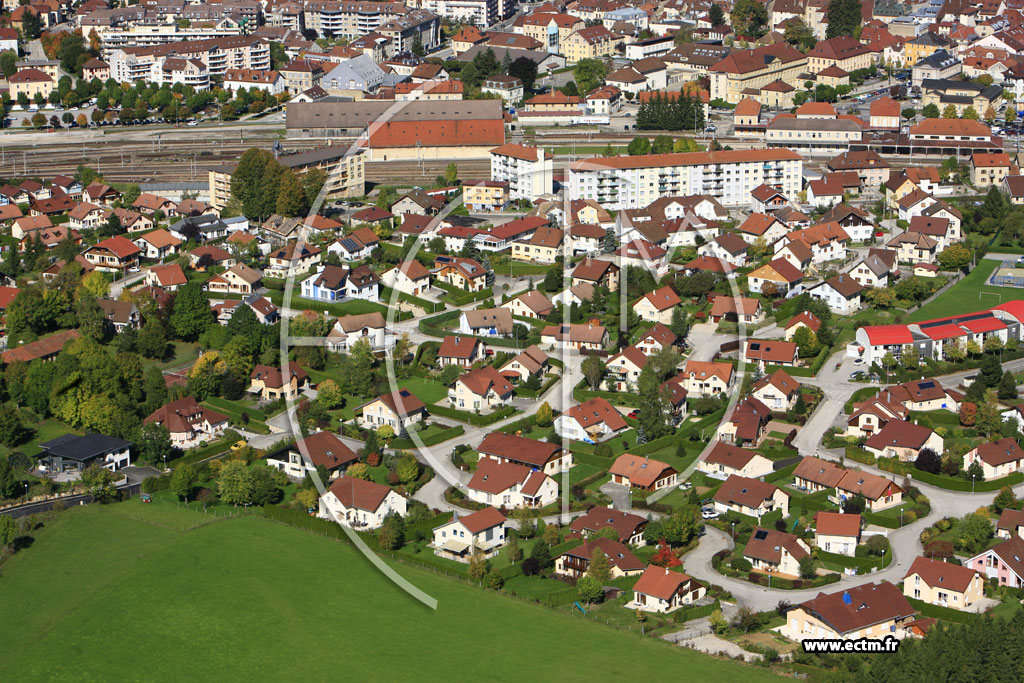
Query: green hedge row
(406, 444)
(944, 613)
(861, 564)
(959, 484)
(780, 475)
(473, 418)
(698, 612)
(880, 520)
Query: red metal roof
(946, 331)
(984, 325)
(888, 334)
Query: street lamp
(734, 532)
(972, 482)
(26, 491)
(165, 462)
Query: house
(827, 242)
(349, 330)
(149, 204)
(922, 395)
(913, 247)
(763, 198)
(544, 456)
(530, 362)
(747, 424)
(44, 349)
(157, 244)
(989, 169)
(321, 448)
(642, 472)
(409, 277)
(592, 421)
(361, 504)
(657, 306)
(759, 226)
(836, 532)
(814, 474)
(775, 552)
(702, 378)
(660, 590)
(854, 221)
(1010, 524)
(596, 272)
(333, 283)
(544, 246)
(766, 352)
(481, 533)
(737, 309)
(903, 440)
(629, 526)
(1003, 562)
(876, 269)
(779, 391)
(462, 273)
(871, 415)
(73, 453)
(802, 319)
(208, 255)
(879, 492)
(575, 336)
(779, 273)
(270, 383)
(198, 228)
(416, 202)
(293, 259)
(238, 279)
(356, 245)
(643, 254)
(530, 304)
(481, 390)
(576, 562)
(797, 253)
(658, 337)
(461, 351)
(487, 322)
(114, 254)
(729, 248)
(399, 410)
(997, 458)
(841, 293)
(510, 486)
(943, 583)
(725, 460)
(750, 497)
(870, 610)
(622, 371)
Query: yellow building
(753, 69)
(943, 583)
(923, 46)
(486, 195)
(551, 29)
(30, 82)
(870, 610)
(592, 42)
(842, 51)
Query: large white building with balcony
(529, 171)
(632, 182)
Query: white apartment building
(480, 13)
(147, 35)
(219, 55)
(529, 171)
(729, 176)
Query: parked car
(633, 414)
(857, 374)
(709, 514)
(858, 361)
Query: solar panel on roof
(927, 385)
(761, 535)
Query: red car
(634, 414)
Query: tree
(715, 15)
(593, 371)
(717, 622)
(589, 74)
(152, 339)
(954, 258)
(590, 589)
(477, 566)
(949, 112)
(662, 144)
(930, 111)
(98, 482)
(975, 472)
(153, 444)
(8, 60)
(799, 34)
(552, 280)
(682, 526)
(806, 342)
(808, 567)
(599, 569)
(358, 470)
(541, 553)
(8, 531)
(928, 461)
(639, 147)
(971, 533)
(330, 394)
(191, 315)
(1005, 500)
(970, 113)
(746, 619)
(525, 69)
(184, 481)
(291, 196)
(610, 241)
(8, 483)
(876, 545)
(451, 173)
(545, 416)
(391, 534)
(749, 19)
(1007, 388)
(665, 557)
(407, 468)
(968, 412)
(908, 113)
(844, 18)
(31, 26)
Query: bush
(740, 564)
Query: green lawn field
(155, 592)
(969, 295)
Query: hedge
(406, 444)
(880, 520)
(460, 297)
(944, 613)
(958, 484)
(780, 475)
(337, 308)
(619, 398)
(428, 306)
(698, 612)
(473, 418)
(862, 564)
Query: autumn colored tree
(665, 557)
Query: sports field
(968, 295)
(155, 592)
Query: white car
(709, 514)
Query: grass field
(968, 295)
(155, 592)
(426, 390)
